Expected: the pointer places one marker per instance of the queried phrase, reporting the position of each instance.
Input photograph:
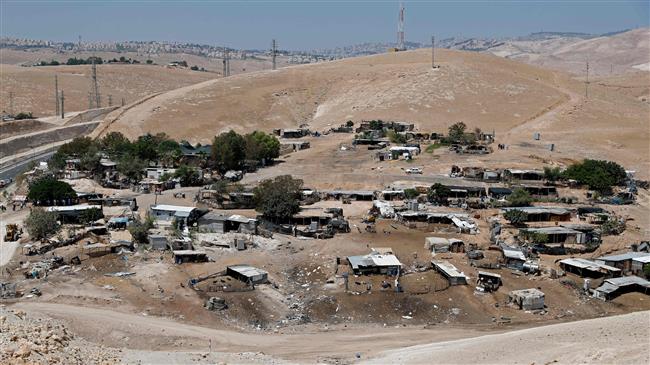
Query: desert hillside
(482, 90)
(620, 53)
(33, 87)
(486, 91)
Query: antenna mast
(274, 52)
(400, 28)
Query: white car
(414, 170)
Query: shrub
(139, 229)
(90, 215)
(40, 224)
(23, 115)
(395, 137)
(552, 173)
(411, 193)
(516, 216)
(519, 198)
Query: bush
(188, 176)
(349, 123)
(140, 229)
(411, 194)
(278, 199)
(90, 215)
(552, 174)
(132, 168)
(597, 174)
(516, 216)
(535, 237)
(395, 137)
(519, 198)
(23, 115)
(48, 190)
(612, 227)
(40, 224)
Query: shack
(375, 263)
(450, 272)
(588, 268)
(72, 213)
(183, 256)
(622, 261)
(248, 274)
(158, 242)
(442, 245)
(640, 265)
(220, 223)
(523, 175)
(557, 234)
(167, 213)
(614, 287)
(527, 299)
(489, 281)
(513, 257)
(498, 192)
(543, 214)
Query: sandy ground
(613, 340)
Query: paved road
(11, 171)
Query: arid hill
(482, 90)
(33, 87)
(620, 53)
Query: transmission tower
(95, 99)
(56, 95)
(433, 51)
(400, 28)
(274, 52)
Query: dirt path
(138, 332)
(619, 339)
(7, 249)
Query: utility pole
(11, 103)
(433, 51)
(62, 105)
(95, 86)
(110, 100)
(226, 62)
(56, 95)
(587, 82)
(122, 101)
(400, 28)
(274, 52)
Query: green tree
(149, 62)
(278, 199)
(169, 151)
(516, 217)
(132, 168)
(438, 193)
(519, 198)
(40, 224)
(146, 147)
(411, 194)
(116, 145)
(139, 229)
(597, 174)
(48, 190)
(188, 176)
(90, 215)
(261, 146)
(552, 174)
(457, 132)
(228, 151)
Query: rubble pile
(27, 340)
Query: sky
(308, 25)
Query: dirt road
(619, 339)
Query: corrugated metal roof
(172, 208)
(587, 264)
(624, 256)
(72, 208)
(449, 269)
(247, 270)
(540, 210)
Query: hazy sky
(308, 24)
